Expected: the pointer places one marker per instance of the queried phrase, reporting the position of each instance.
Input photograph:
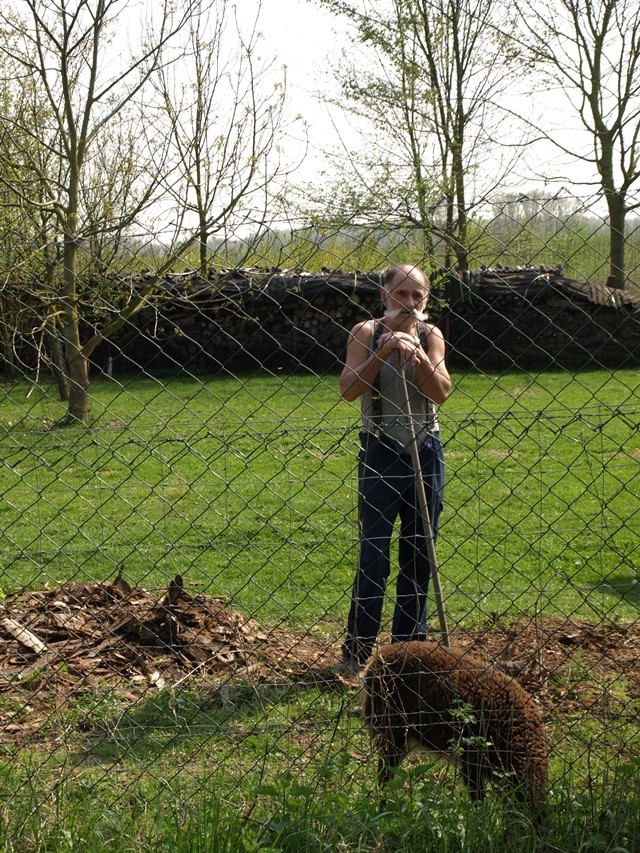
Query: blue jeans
(387, 490)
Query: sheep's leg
(473, 775)
(476, 789)
(392, 751)
(531, 796)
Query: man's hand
(404, 343)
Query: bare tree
(30, 248)
(61, 55)
(98, 163)
(590, 49)
(433, 98)
(224, 114)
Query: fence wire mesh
(178, 564)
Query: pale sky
(308, 39)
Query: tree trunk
(78, 408)
(204, 252)
(53, 330)
(616, 203)
(448, 229)
(8, 328)
(461, 243)
(57, 359)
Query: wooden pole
(424, 512)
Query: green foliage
(327, 803)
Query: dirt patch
(57, 644)
(578, 667)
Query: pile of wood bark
(98, 639)
(58, 643)
(526, 317)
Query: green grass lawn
(246, 486)
(288, 768)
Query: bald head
(408, 273)
(404, 292)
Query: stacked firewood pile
(250, 318)
(502, 317)
(535, 317)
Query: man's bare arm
(431, 370)
(361, 367)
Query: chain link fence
(177, 567)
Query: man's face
(407, 290)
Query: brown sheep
(448, 701)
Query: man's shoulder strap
(376, 403)
(376, 400)
(377, 331)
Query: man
(377, 353)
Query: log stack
(250, 319)
(524, 317)
(501, 317)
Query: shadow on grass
(626, 588)
(224, 717)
